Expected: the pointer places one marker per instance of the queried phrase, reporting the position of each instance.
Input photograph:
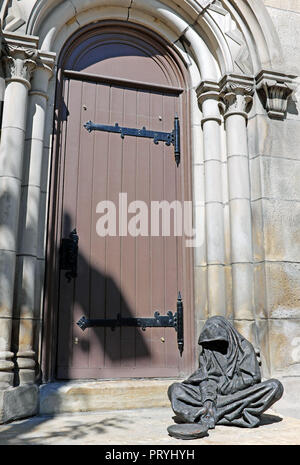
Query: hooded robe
(228, 376)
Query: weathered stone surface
(247, 328)
(200, 237)
(10, 189)
(199, 182)
(7, 273)
(274, 138)
(281, 230)
(216, 290)
(285, 346)
(276, 178)
(103, 395)
(255, 177)
(228, 287)
(215, 233)
(242, 289)
(259, 277)
(42, 225)
(238, 168)
(258, 231)
(213, 173)
(137, 15)
(262, 346)
(24, 292)
(241, 247)
(200, 279)
(283, 4)
(285, 23)
(141, 426)
(283, 290)
(288, 404)
(18, 402)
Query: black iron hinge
(168, 138)
(165, 321)
(69, 255)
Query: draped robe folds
(231, 380)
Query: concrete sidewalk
(139, 427)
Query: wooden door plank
(83, 224)
(171, 243)
(157, 243)
(113, 244)
(128, 242)
(98, 243)
(143, 251)
(69, 142)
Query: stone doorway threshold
(97, 395)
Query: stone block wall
(275, 193)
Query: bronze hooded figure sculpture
(226, 389)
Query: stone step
(87, 396)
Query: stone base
(18, 402)
(289, 405)
(87, 396)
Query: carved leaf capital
(276, 89)
(19, 62)
(236, 93)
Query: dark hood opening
(215, 335)
(216, 345)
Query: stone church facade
(230, 70)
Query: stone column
(19, 62)
(26, 307)
(236, 93)
(208, 98)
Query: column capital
(19, 57)
(276, 88)
(207, 89)
(207, 93)
(43, 72)
(46, 61)
(19, 64)
(236, 94)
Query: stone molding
(276, 89)
(205, 3)
(11, 16)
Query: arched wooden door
(109, 75)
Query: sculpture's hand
(208, 414)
